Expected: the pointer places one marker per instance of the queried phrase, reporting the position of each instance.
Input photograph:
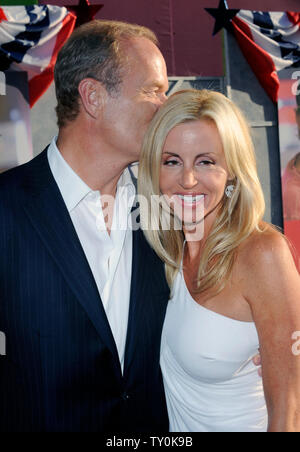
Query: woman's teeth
(189, 199)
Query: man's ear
(93, 96)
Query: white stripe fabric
(276, 34)
(39, 55)
(30, 38)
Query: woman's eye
(171, 162)
(205, 162)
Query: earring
(229, 190)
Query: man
(82, 301)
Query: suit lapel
(48, 214)
(138, 295)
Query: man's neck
(96, 166)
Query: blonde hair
(241, 214)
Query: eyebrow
(199, 155)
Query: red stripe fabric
(2, 15)
(294, 17)
(40, 83)
(291, 230)
(260, 61)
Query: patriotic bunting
(30, 39)
(270, 43)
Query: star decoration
(84, 11)
(223, 16)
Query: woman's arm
(272, 289)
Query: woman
(234, 284)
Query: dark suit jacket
(61, 371)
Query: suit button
(125, 396)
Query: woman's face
(194, 172)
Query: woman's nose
(188, 179)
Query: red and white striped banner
(30, 39)
(270, 43)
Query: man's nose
(188, 179)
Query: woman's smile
(193, 173)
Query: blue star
(223, 16)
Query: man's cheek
(153, 109)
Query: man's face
(126, 115)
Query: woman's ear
(93, 96)
(231, 180)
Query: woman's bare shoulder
(263, 247)
(265, 264)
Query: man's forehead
(138, 43)
(143, 59)
(140, 50)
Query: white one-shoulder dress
(210, 381)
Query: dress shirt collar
(71, 186)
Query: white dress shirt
(109, 255)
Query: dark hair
(297, 160)
(298, 95)
(93, 50)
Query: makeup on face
(193, 167)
